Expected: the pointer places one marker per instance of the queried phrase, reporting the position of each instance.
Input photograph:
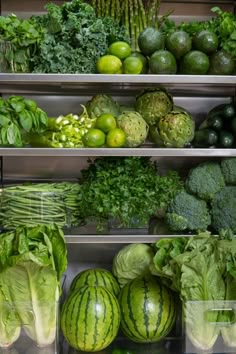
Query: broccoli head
(228, 168)
(223, 210)
(205, 180)
(187, 212)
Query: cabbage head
(132, 261)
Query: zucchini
(214, 122)
(205, 138)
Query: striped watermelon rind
(96, 277)
(147, 310)
(90, 318)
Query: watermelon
(96, 277)
(90, 318)
(147, 310)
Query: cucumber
(226, 139)
(229, 111)
(205, 138)
(214, 122)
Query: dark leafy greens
(127, 189)
(75, 38)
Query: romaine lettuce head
(35, 293)
(10, 326)
(132, 261)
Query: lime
(194, 63)
(222, 63)
(206, 41)
(143, 59)
(115, 138)
(150, 40)
(179, 43)
(106, 122)
(132, 65)
(163, 62)
(94, 138)
(120, 49)
(109, 64)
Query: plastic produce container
(210, 327)
(25, 331)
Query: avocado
(150, 40)
(222, 63)
(194, 63)
(206, 41)
(179, 43)
(163, 62)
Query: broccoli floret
(223, 210)
(187, 212)
(228, 168)
(205, 180)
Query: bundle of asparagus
(135, 15)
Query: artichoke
(153, 104)
(134, 126)
(100, 104)
(174, 130)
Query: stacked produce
(199, 271)
(41, 203)
(90, 316)
(19, 116)
(32, 263)
(145, 307)
(208, 200)
(218, 129)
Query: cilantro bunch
(128, 189)
(75, 38)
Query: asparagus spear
(108, 6)
(142, 13)
(137, 27)
(127, 17)
(132, 24)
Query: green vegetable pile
(41, 203)
(208, 200)
(202, 270)
(64, 132)
(19, 40)
(32, 263)
(128, 189)
(218, 129)
(74, 38)
(17, 117)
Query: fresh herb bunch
(19, 39)
(75, 38)
(128, 189)
(19, 115)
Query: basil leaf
(25, 120)
(4, 120)
(11, 134)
